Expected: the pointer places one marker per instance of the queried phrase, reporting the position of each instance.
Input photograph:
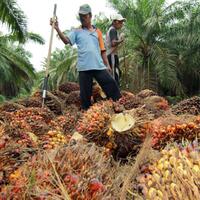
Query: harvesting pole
(45, 84)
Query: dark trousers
(104, 79)
(114, 64)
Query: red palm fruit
(2, 144)
(95, 185)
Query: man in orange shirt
(92, 59)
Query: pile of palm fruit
(80, 171)
(172, 128)
(79, 154)
(190, 106)
(174, 175)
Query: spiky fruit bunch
(30, 120)
(124, 139)
(51, 101)
(65, 123)
(94, 121)
(79, 171)
(174, 176)
(28, 139)
(166, 129)
(54, 139)
(31, 102)
(10, 107)
(13, 156)
(188, 106)
(73, 98)
(43, 113)
(156, 102)
(125, 145)
(61, 95)
(172, 128)
(146, 93)
(130, 101)
(69, 87)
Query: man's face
(118, 24)
(85, 19)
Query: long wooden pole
(45, 85)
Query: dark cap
(84, 9)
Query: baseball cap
(84, 9)
(118, 17)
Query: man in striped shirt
(113, 41)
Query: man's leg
(117, 70)
(107, 83)
(85, 82)
(114, 64)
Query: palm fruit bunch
(172, 128)
(94, 122)
(69, 87)
(146, 93)
(61, 95)
(129, 100)
(51, 101)
(188, 106)
(169, 129)
(13, 156)
(54, 139)
(175, 175)
(18, 132)
(73, 98)
(28, 139)
(78, 172)
(10, 107)
(157, 102)
(65, 123)
(34, 120)
(123, 139)
(54, 104)
(31, 102)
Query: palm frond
(14, 17)
(35, 38)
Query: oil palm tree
(14, 18)
(157, 35)
(16, 71)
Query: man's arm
(60, 33)
(62, 36)
(115, 41)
